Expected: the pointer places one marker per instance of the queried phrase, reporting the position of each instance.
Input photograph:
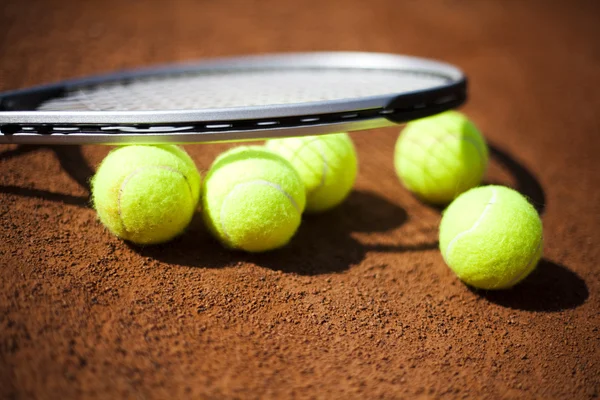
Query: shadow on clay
(71, 160)
(323, 243)
(550, 287)
(526, 183)
(18, 151)
(79, 201)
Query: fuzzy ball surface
(439, 157)
(327, 165)
(146, 194)
(491, 237)
(253, 199)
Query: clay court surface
(360, 304)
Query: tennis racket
(231, 99)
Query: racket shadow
(550, 288)
(71, 160)
(19, 151)
(79, 201)
(323, 243)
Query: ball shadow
(550, 287)
(194, 248)
(323, 243)
(526, 182)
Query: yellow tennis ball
(326, 164)
(491, 237)
(253, 199)
(146, 194)
(440, 157)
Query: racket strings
(240, 89)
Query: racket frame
(20, 123)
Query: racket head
(230, 99)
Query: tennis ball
(439, 157)
(491, 237)
(146, 194)
(253, 199)
(326, 164)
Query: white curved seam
(134, 173)
(254, 182)
(490, 203)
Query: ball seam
(490, 203)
